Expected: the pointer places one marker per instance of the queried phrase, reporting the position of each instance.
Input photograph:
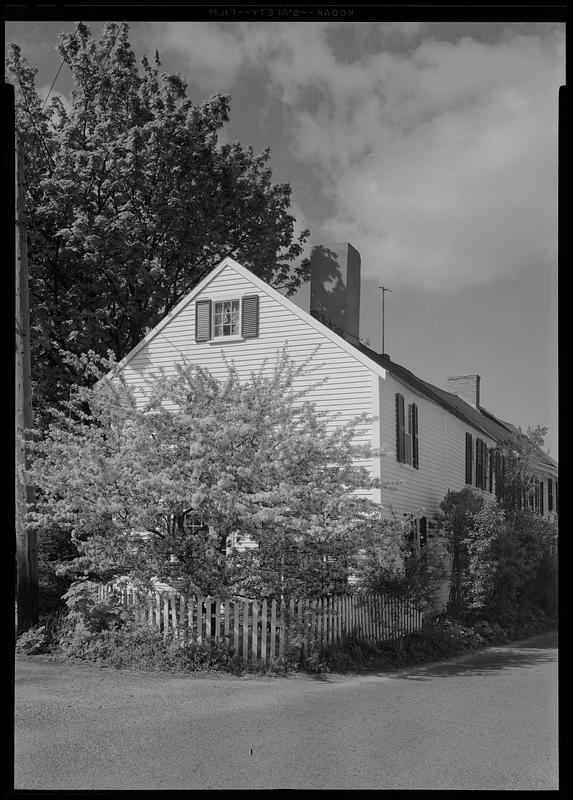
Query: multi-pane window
(227, 318)
(217, 319)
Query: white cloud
(44, 92)
(439, 162)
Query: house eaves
(481, 419)
(450, 402)
(350, 349)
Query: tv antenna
(383, 289)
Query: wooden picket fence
(261, 631)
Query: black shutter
(202, 320)
(541, 498)
(491, 468)
(549, 494)
(423, 533)
(400, 433)
(469, 457)
(250, 316)
(480, 469)
(414, 412)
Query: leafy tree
(392, 568)
(131, 201)
(457, 520)
(198, 463)
(510, 567)
(519, 455)
(503, 566)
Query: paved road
(485, 721)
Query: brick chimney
(465, 387)
(335, 288)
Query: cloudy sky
(430, 147)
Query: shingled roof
(478, 418)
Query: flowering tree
(131, 201)
(199, 465)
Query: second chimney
(335, 288)
(465, 387)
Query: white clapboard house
(434, 439)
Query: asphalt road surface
(485, 721)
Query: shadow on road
(517, 654)
(514, 654)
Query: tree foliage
(504, 562)
(398, 569)
(511, 569)
(131, 201)
(520, 455)
(457, 519)
(199, 464)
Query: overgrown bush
(33, 641)
(511, 575)
(503, 567)
(435, 640)
(148, 649)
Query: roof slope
(479, 418)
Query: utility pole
(26, 545)
(383, 289)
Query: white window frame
(218, 337)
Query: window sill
(409, 466)
(225, 339)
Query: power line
(58, 72)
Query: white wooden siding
(349, 385)
(442, 454)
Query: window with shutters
(226, 319)
(549, 494)
(407, 447)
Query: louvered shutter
(202, 320)
(491, 469)
(250, 313)
(541, 498)
(480, 464)
(400, 434)
(549, 494)
(414, 412)
(469, 457)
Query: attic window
(226, 319)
